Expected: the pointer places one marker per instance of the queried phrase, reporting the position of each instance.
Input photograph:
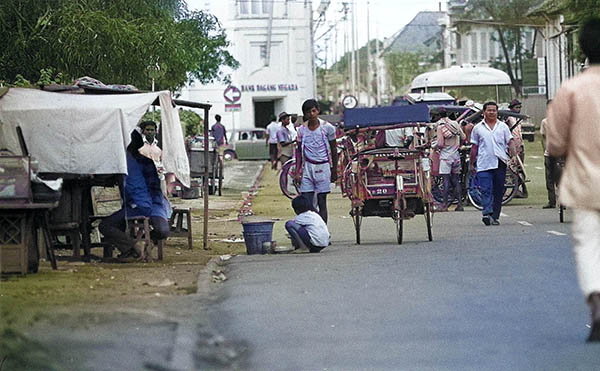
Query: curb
(246, 208)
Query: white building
(273, 42)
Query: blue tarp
(357, 118)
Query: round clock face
(349, 101)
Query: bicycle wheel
(510, 188)
(286, 179)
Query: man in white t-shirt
(316, 157)
(491, 140)
(271, 138)
(307, 229)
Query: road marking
(556, 233)
(522, 222)
(539, 168)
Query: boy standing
(307, 229)
(316, 157)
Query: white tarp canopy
(466, 75)
(85, 133)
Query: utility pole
(357, 53)
(369, 67)
(377, 69)
(353, 52)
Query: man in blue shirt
(492, 141)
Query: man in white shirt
(491, 140)
(271, 138)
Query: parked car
(247, 144)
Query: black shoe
(549, 206)
(486, 220)
(594, 303)
(495, 222)
(459, 208)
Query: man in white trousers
(573, 129)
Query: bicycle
(287, 182)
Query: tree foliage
(402, 68)
(506, 17)
(116, 42)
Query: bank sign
(270, 87)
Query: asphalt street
(476, 298)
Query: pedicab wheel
(428, 220)
(399, 229)
(357, 219)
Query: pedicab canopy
(87, 134)
(359, 118)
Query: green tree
(505, 17)
(402, 68)
(119, 41)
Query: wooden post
(205, 182)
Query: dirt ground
(100, 286)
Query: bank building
(272, 41)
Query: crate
(15, 240)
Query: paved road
(493, 298)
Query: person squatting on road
(286, 135)
(573, 129)
(271, 139)
(491, 141)
(449, 138)
(316, 157)
(307, 229)
(552, 168)
(142, 194)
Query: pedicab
(381, 179)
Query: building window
(458, 41)
(474, 47)
(493, 51)
(484, 46)
(255, 7)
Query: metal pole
(205, 182)
(369, 67)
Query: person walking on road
(449, 139)
(552, 169)
(316, 157)
(271, 139)
(573, 129)
(492, 141)
(285, 138)
(219, 132)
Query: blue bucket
(255, 234)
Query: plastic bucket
(256, 234)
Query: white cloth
(492, 144)
(397, 137)
(586, 248)
(272, 130)
(87, 134)
(316, 227)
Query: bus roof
(465, 75)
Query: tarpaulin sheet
(382, 116)
(87, 134)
